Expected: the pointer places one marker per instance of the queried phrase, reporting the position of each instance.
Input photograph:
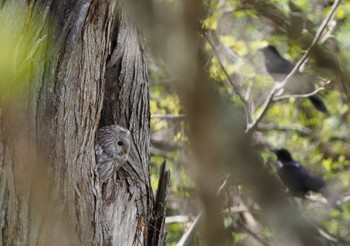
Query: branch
(328, 236)
(266, 106)
(187, 235)
(236, 209)
(339, 138)
(322, 231)
(165, 145)
(324, 201)
(253, 234)
(300, 130)
(235, 88)
(317, 199)
(345, 199)
(314, 41)
(168, 116)
(278, 98)
(276, 87)
(176, 219)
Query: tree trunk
(94, 75)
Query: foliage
(318, 141)
(22, 44)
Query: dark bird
(298, 84)
(299, 180)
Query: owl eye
(120, 143)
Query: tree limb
(168, 116)
(296, 68)
(303, 131)
(188, 234)
(253, 234)
(278, 98)
(235, 88)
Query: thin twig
(266, 106)
(291, 128)
(249, 91)
(314, 41)
(176, 219)
(324, 201)
(339, 138)
(235, 88)
(236, 209)
(190, 230)
(187, 235)
(327, 235)
(330, 236)
(317, 199)
(278, 98)
(345, 199)
(254, 235)
(322, 231)
(168, 116)
(272, 93)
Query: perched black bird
(299, 180)
(279, 68)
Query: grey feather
(111, 150)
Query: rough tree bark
(94, 75)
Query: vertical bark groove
(96, 75)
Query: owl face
(111, 150)
(114, 142)
(121, 145)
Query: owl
(112, 150)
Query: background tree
(234, 33)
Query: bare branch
(187, 235)
(314, 41)
(235, 88)
(279, 85)
(250, 232)
(278, 98)
(323, 200)
(168, 116)
(249, 91)
(339, 138)
(271, 127)
(345, 199)
(165, 145)
(176, 219)
(236, 209)
(266, 106)
(327, 235)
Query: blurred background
(233, 32)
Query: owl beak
(126, 152)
